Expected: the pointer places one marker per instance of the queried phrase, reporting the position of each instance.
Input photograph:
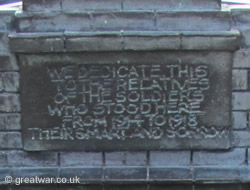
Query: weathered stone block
(240, 79)
(125, 173)
(245, 41)
(170, 158)
(37, 43)
(11, 81)
(34, 172)
(81, 159)
(9, 103)
(125, 187)
(217, 187)
(241, 100)
(197, 21)
(53, 22)
(93, 43)
(170, 173)
(32, 159)
(170, 5)
(15, 140)
(10, 121)
(136, 159)
(85, 174)
(216, 173)
(239, 120)
(94, 5)
(241, 18)
(241, 138)
(170, 186)
(8, 63)
(241, 59)
(80, 187)
(157, 42)
(235, 157)
(41, 5)
(124, 21)
(3, 159)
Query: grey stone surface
(33, 172)
(9, 102)
(10, 121)
(241, 100)
(242, 59)
(124, 21)
(210, 42)
(80, 187)
(94, 5)
(170, 158)
(80, 159)
(235, 157)
(170, 186)
(32, 159)
(84, 173)
(217, 173)
(219, 65)
(170, 173)
(37, 43)
(125, 187)
(245, 42)
(241, 18)
(171, 5)
(3, 159)
(241, 138)
(41, 5)
(136, 158)
(197, 21)
(76, 44)
(14, 140)
(52, 22)
(125, 173)
(240, 79)
(239, 120)
(8, 63)
(3, 140)
(217, 187)
(34, 186)
(11, 81)
(115, 158)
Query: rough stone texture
(41, 5)
(235, 157)
(240, 79)
(241, 18)
(245, 41)
(239, 120)
(136, 159)
(86, 5)
(80, 159)
(125, 187)
(3, 159)
(123, 21)
(84, 173)
(53, 22)
(38, 43)
(170, 158)
(170, 173)
(240, 138)
(241, 100)
(170, 4)
(32, 159)
(8, 63)
(242, 59)
(217, 187)
(216, 173)
(197, 21)
(9, 103)
(31, 172)
(10, 140)
(204, 42)
(171, 187)
(125, 173)
(93, 43)
(10, 81)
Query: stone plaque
(126, 101)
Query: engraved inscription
(122, 102)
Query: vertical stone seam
(103, 165)
(148, 165)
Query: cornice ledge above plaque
(123, 41)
